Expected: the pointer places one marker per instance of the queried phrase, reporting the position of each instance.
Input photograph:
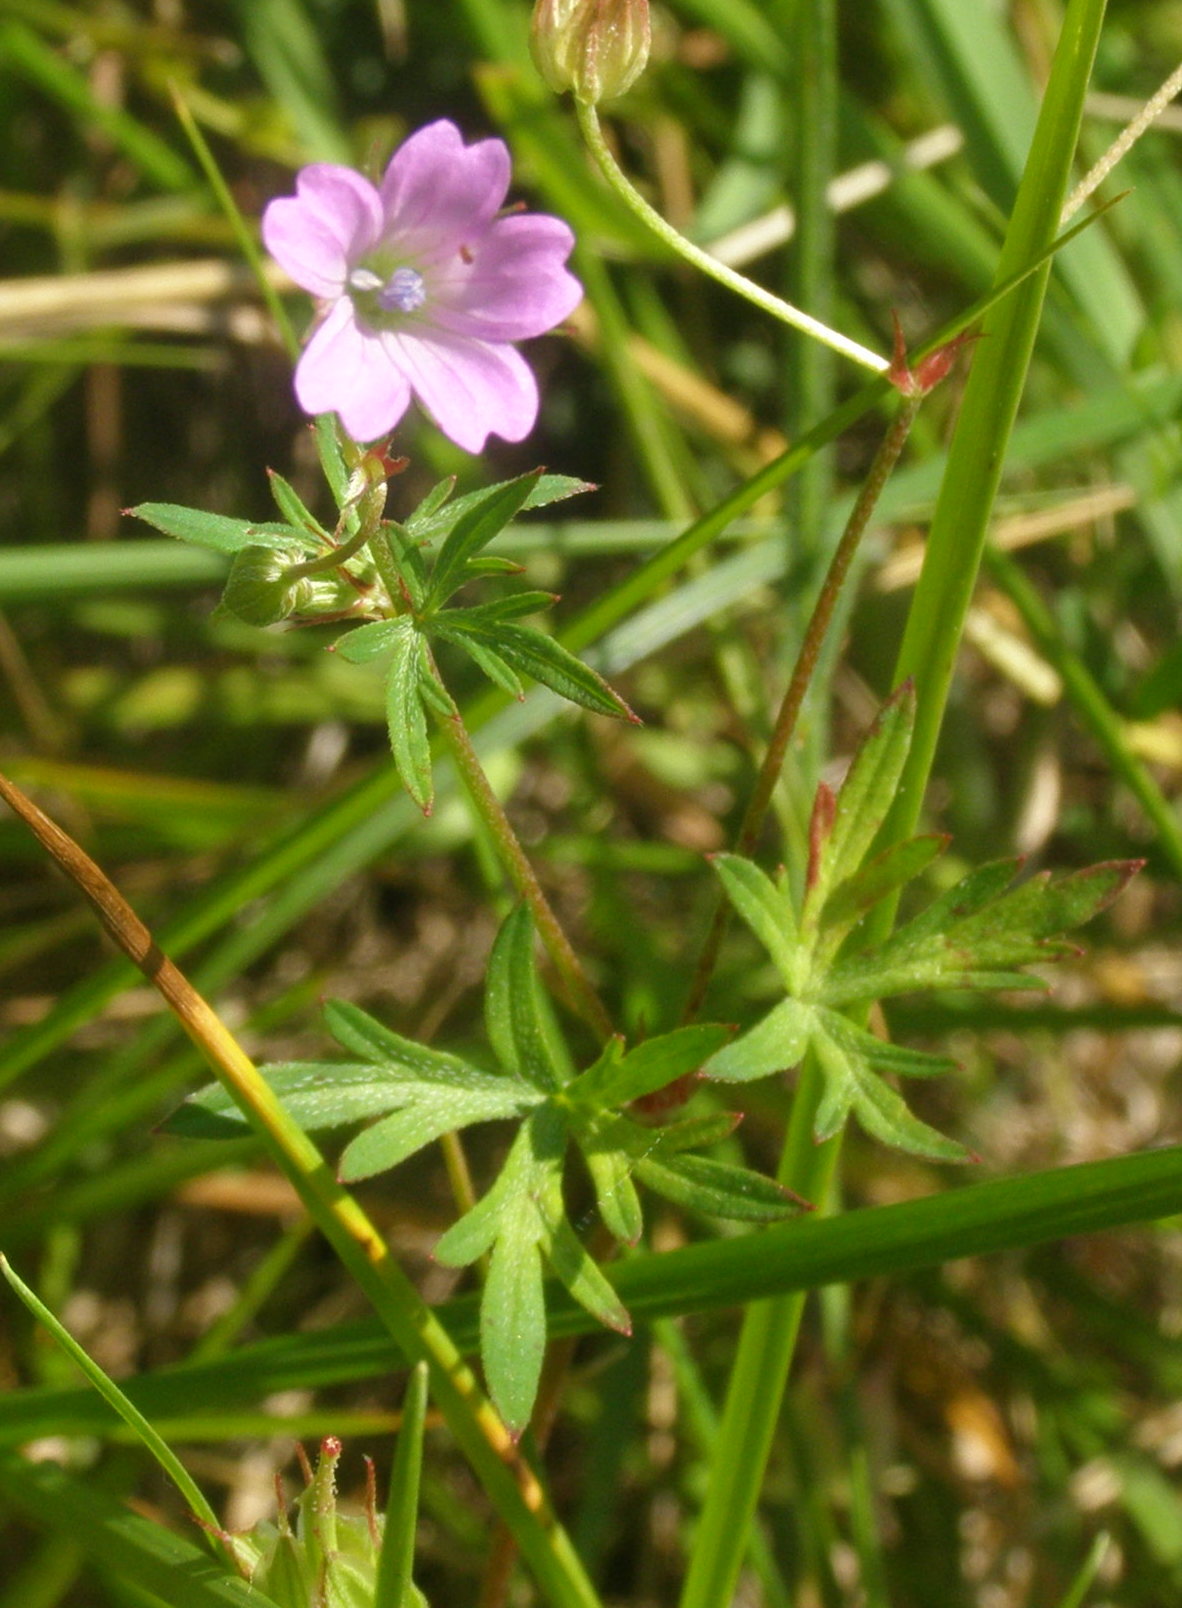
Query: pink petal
(438, 192)
(516, 285)
(350, 371)
(470, 388)
(318, 234)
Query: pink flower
(424, 286)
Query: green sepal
(259, 588)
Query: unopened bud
(597, 48)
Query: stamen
(403, 292)
(364, 279)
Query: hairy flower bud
(597, 48)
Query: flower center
(380, 293)
(403, 292)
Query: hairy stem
(773, 761)
(580, 992)
(702, 260)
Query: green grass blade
(114, 1397)
(957, 536)
(402, 1506)
(53, 75)
(998, 1216)
(134, 1549)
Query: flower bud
(597, 48)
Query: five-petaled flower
(424, 283)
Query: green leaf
(849, 1083)
(366, 642)
(513, 1316)
(582, 1277)
(406, 551)
(489, 660)
(493, 564)
(220, 533)
(615, 1193)
(293, 509)
(480, 520)
(318, 1094)
(430, 519)
(774, 1045)
(327, 431)
(407, 720)
(512, 1006)
(652, 1065)
(471, 1235)
(693, 1133)
(878, 878)
(882, 1054)
(714, 1187)
(767, 910)
(977, 934)
(512, 607)
(547, 661)
(356, 1030)
(420, 523)
(865, 796)
(435, 1112)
